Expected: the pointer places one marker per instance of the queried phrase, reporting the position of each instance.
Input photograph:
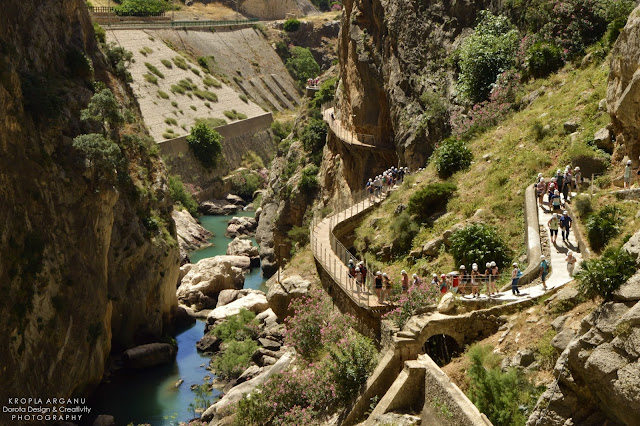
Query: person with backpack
(363, 269)
(475, 277)
(554, 200)
(544, 271)
(352, 269)
(540, 189)
(369, 187)
(387, 286)
(577, 178)
(559, 179)
(378, 286)
(404, 281)
(553, 225)
(444, 284)
(515, 277)
(566, 188)
(494, 275)
(416, 280)
(358, 278)
(455, 283)
(565, 225)
(464, 279)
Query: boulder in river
(191, 235)
(255, 302)
(244, 247)
(218, 207)
(239, 226)
(149, 355)
(281, 294)
(212, 275)
(227, 296)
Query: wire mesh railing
(352, 138)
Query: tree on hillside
(142, 6)
(301, 65)
(205, 144)
(104, 109)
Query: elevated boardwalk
(356, 140)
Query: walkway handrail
(345, 135)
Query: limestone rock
(561, 340)
(629, 291)
(191, 235)
(208, 343)
(400, 208)
(524, 358)
(397, 419)
(249, 373)
(243, 247)
(227, 296)
(272, 345)
(603, 140)
(446, 235)
(212, 275)
(432, 248)
(258, 213)
(239, 226)
(149, 355)
(217, 207)
(447, 303)
(570, 126)
(633, 245)
(558, 323)
(281, 294)
(235, 200)
(265, 239)
(254, 302)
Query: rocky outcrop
(149, 355)
(623, 92)
(281, 294)
(218, 207)
(255, 302)
(239, 226)
(191, 236)
(88, 261)
(212, 275)
(244, 247)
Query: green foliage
(615, 13)
(207, 62)
(403, 231)
(176, 88)
(547, 354)
(79, 64)
(180, 62)
(314, 136)
(103, 108)
(301, 65)
(179, 194)
(234, 115)
(299, 235)
(326, 93)
(245, 184)
(103, 154)
(303, 330)
(205, 94)
(151, 78)
(603, 276)
(543, 58)
(280, 129)
(291, 25)
(240, 327)
(243, 98)
(162, 94)
(101, 34)
(433, 104)
(479, 243)
(309, 181)
(167, 63)
(119, 58)
(205, 144)
(234, 359)
(505, 397)
(171, 121)
(212, 122)
(431, 199)
(582, 204)
(211, 82)
(196, 71)
(485, 54)
(131, 7)
(153, 69)
(451, 156)
(602, 226)
(355, 359)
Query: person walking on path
(627, 175)
(475, 276)
(464, 278)
(566, 188)
(577, 178)
(378, 286)
(565, 224)
(495, 271)
(515, 277)
(553, 225)
(405, 281)
(554, 200)
(455, 283)
(489, 274)
(387, 286)
(571, 262)
(544, 271)
(358, 279)
(540, 188)
(444, 284)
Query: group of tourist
(383, 182)
(313, 82)
(558, 189)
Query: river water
(149, 396)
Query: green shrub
(175, 88)
(205, 144)
(505, 397)
(299, 235)
(451, 156)
(103, 154)
(309, 180)
(301, 65)
(543, 58)
(103, 108)
(603, 276)
(479, 243)
(240, 327)
(245, 184)
(151, 78)
(145, 51)
(101, 34)
(326, 93)
(131, 7)
(211, 82)
(403, 231)
(486, 53)
(212, 122)
(205, 94)
(196, 71)
(79, 64)
(180, 62)
(232, 362)
(234, 115)
(355, 359)
(615, 12)
(314, 137)
(602, 226)
(281, 129)
(154, 70)
(179, 194)
(119, 58)
(162, 94)
(547, 354)
(582, 205)
(193, 107)
(166, 63)
(243, 98)
(291, 25)
(171, 121)
(431, 199)
(187, 84)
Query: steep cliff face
(85, 266)
(623, 93)
(391, 53)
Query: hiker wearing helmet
(378, 286)
(464, 279)
(565, 224)
(494, 273)
(455, 283)
(405, 280)
(554, 200)
(488, 274)
(515, 277)
(544, 271)
(540, 188)
(627, 175)
(553, 225)
(443, 284)
(416, 280)
(571, 262)
(566, 188)
(475, 277)
(358, 278)
(559, 179)
(577, 178)
(387, 286)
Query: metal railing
(345, 135)
(182, 24)
(113, 10)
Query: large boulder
(212, 275)
(244, 247)
(254, 302)
(281, 294)
(629, 291)
(603, 140)
(623, 91)
(447, 303)
(149, 355)
(432, 248)
(265, 239)
(208, 343)
(218, 207)
(227, 296)
(241, 226)
(191, 235)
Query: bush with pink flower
(414, 301)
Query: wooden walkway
(348, 137)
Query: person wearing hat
(475, 276)
(553, 225)
(416, 280)
(370, 188)
(358, 278)
(540, 189)
(404, 280)
(455, 283)
(571, 262)
(387, 286)
(544, 271)
(488, 272)
(515, 277)
(464, 279)
(627, 175)
(565, 225)
(444, 284)
(494, 272)
(566, 188)
(378, 286)
(352, 270)
(577, 178)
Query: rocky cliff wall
(85, 266)
(391, 52)
(623, 92)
